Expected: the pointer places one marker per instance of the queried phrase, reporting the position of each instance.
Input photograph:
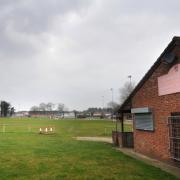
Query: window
(144, 121)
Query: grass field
(24, 154)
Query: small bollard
(47, 130)
(40, 130)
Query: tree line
(112, 107)
(49, 107)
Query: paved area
(98, 139)
(164, 166)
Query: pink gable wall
(170, 83)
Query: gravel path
(98, 139)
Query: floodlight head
(168, 58)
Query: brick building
(155, 106)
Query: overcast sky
(74, 51)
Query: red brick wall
(156, 144)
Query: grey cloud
(74, 51)
(23, 22)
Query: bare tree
(50, 106)
(112, 105)
(75, 113)
(60, 107)
(34, 108)
(12, 111)
(126, 90)
(42, 107)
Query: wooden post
(29, 128)
(122, 123)
(4, 128)
(122, 130)
(116, 125)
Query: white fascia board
(140, 110)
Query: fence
(25, 128)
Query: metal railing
(174, 135)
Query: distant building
(97, 115)
(52, 114)
(21, 114)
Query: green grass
(24, 154)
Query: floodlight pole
(102, 102)
(112, 91)
(103, 106)
(130, 77)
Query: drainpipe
(116, 125)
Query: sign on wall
(170, 83)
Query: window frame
(145, 129)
